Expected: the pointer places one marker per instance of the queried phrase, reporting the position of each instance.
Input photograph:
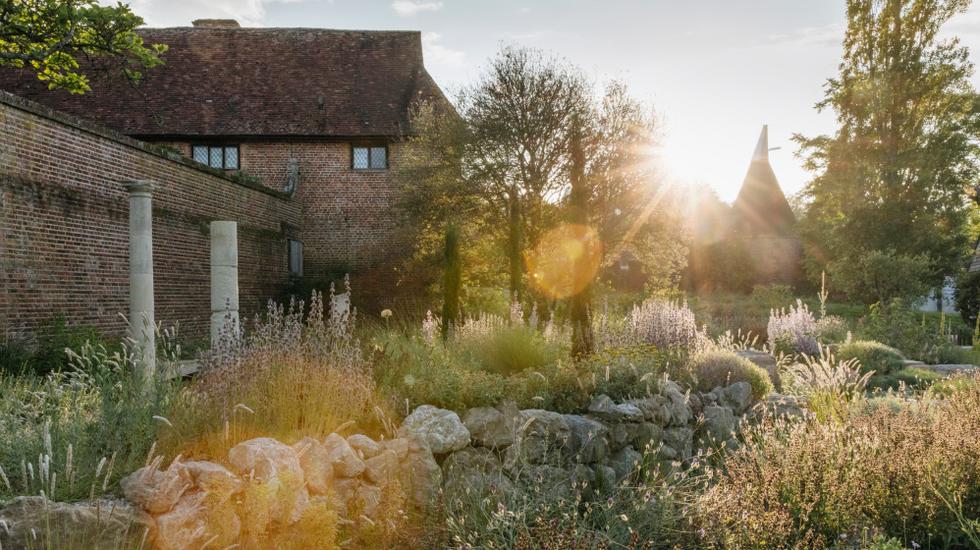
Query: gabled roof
(761, 207)
(222, 80)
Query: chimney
(215, 24)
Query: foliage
(872, 356)
(793, 330)
(508, 349)
(882, 276)
(645, 511)
(772, 295)
(725, 266)
(47, 354)
(832, 329)
(968, 297)
(807, 485)
(721, 368)
(893, 176)
(668, 325)
(916, 378)
(74, 433)
(899, 326)
(49, 37)
(828, 385)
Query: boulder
(155, 490)
(738, 396)
(102, 524)
(364, 445)
(214, 479)
(367, 500)
(655, 409)
(719, 423)
(680, 412)
(273, 473)
(604, 408)
(679, 442)
(440, 429)
(342, 494)
(316, 464)
(476, 473)
(343, 459)
(766, 361)
(489, 427)
(619, 436)
(381, 468)
(647, 437)
(195, 521)
(605, 479)
(421, 476)
(786, 407)
(400, 447)
(626, 463)
(542, 437)
(589, 441)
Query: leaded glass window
(222, 157)
(369, 157)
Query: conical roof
(761, 207)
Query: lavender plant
(793, 330)
(663, 323)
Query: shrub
(772, 295)
(722, 368)
(806, 484)
(880, 276)
(828, 385)
(968, 297)
(872, 356)
(665, 324)
(898, 325)
(911, 377)
(832, 329)
(47, 353)
(508, 349)
(793, 330)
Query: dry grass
(881, 472)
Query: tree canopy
(50, 37)
(895, 176)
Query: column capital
(140, 186)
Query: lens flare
(565, 261)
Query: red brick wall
(348, 220)
(64, 226)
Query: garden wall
(64, 226)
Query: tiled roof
(221, 80)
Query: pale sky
(715, 71)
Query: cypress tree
(452, 281)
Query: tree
(894, 177)
(580, 307)
(452, 280)
(49, 37)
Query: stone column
(142, 325)
(224, 282)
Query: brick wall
(64, 226)
(348, 219)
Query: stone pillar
(224, 281)
(142, 325)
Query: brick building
(290, 132)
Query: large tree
(894, 177)
(50, 37)
(501, 169)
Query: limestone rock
(738, 396)
(273, 469)
(626, 463)
(316, 464)
(103, 524)
(367, 499)
(655, 409)
(191, 523)
(381, 468)
(214, 479)
(400, 446)
(476, 473)
(648, 436)
(342, 494)
(719, 423)
(605, 408)
(421, 476)
(440, 429)
(343, 459)
(367, 447)
(489, 427)
(589, 441)
(680, 412)
(680, 441)
(155, 490)
(605, 479)
(542, 437)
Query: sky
(714, 71)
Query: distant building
(757, 243)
